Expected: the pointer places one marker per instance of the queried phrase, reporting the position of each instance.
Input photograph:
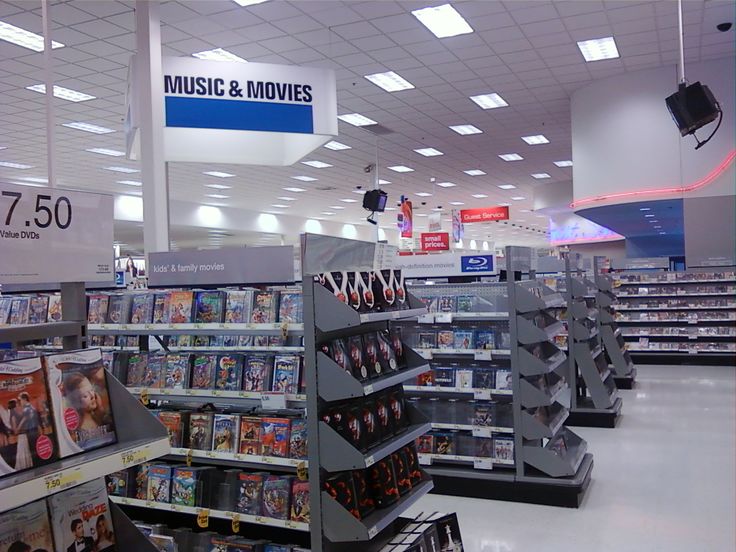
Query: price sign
(134, 457)
(369, 461)
(41, 229)
(62, 480)
(482, 354)
(190, 453)
(372, 532)
(272, 400)
(144, 397)
(203, 517)
(443, 318)
(426, 318)
(482, 431)
(425, 459)
(482, 394)
(483, 463)
(235, 523)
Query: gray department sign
(233, 265)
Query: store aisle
(664, 480)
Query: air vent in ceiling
(378, 129)
(325, 188)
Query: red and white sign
(484, 214)
(435, 241)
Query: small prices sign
(434, 241)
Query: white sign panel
(446, 264)
(248, 113)
(52, 235)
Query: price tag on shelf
(372, 532)
(482, 431)
(145, 400)
(203, 517)
(284, 331)
(426, 354)
(692, 351)
(267, 460)
(483, 463)
(369, 461)
(425, 459)
(235, 523)
(368, 389)
(175, 508)
(482, 354)
(290, 524)
(272, 400)
(426, 318)
(301, 471)
(443, 318)
(135, 456)
(482, 394)
(260, 519)
(62, 480)
(190, 453)
(123, 326)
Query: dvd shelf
(677, 314)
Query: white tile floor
(663, 479)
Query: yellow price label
(260, 519)
(189, 458)
(134, 457)
(62, 480)
(290, 524)
(301, 470)
(203, 518)
(235, 523)
(144, 397)
(284, 330)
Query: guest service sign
(54, 235)
(249, 113)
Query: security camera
(424, 202)
(369, 168)
(359, 187)
(724, 27)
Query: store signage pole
(149, 93)
(49, 78)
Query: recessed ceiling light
(645, 209)
(218, 54)
(540, 176)
(317, 164)
(10, 165)
(126, 170)
(356, 119)
(466, 129)
(518, 198)
(62, 93)
(217, 186)
(381, 181)
(328, 213)
(304, 178)
(294, 189)
(401, 169)
(649, 215)
(563, 163)
(217, 196)
(130, 182)
(446, 184)
(361, 192)
(443, 21)
(457, 203)
(336, 146)
(249, 2)
(657, 227)
(428, 152)
(24, 38)
(437, 209)
(511, 157)
(279, 205)
(479, 196)
(598, 48)
(390, 81)
(422, 194)
(86, 127)
(348, 200)
(489, 101)
(663, 232)
(286, 198)
(525, 211)
(653, 221)
(105, 151)
(474, 172)
(535, 139)
(219, 174)
(506, 186)
(337, 207)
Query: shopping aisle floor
(664, 479)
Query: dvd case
(174, 423)
(225, 433)
(81, 519)
(286, 374)
(19, 311)
(97, 308)
(250, 493)
(141, 308)
(250, 435)
(290, 307)
(300, 507)
(238, 306)
(257, 372)
(159, 483)
(6, 304)
(209, 307)
(276, 493)
(265, 307)
(180, 307)
(298, 439)
(38, 309)
(161, 308)
(177, 370)
(54, 310)
(203, 371)
(200, 430)
(229, 376)
(275, 436)
(118, 309)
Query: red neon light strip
(715, 173)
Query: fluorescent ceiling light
(457, 203)
(539, 176)
(381, 181)
(511, 157)
(130, 182)
(218, 54)
(401, 169)
(336, 146)
(348, 200)
(286, 198)
(35, 179)
(657, 226)
(105, 151)
(361, 192)
(294, 189)
(466, 129)
(663, 232)
(504, 204)
(645, 209)
(126, 170)
(443, 21)
(328, 213)
(479, 196)
(422, 194)
(10, 165)
(390, 209)
(563, 163)
(489, 101)
(535, 139)
(598, 49)
(279, 205)
(446, 184)
(317, 164)
(420, 214)
(525, 211)
(356, 119)
(86, 127)
(217, 186)
(649, 215)
(390, 81)
(474, 172)
(249, 2)
(428, 152)
(217, 196)
(24, 38)
(62, 93)
(518, 198)
(218, 174)
(506, 186)
(304, 178)
(337, 207)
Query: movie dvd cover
(239, 305)
(209, 307)
(180, 307)
(250, 435)
(203, 371)
(229, 374)
(161, 308)
(290, 307)
(386, 354)
(82, 515)
(177, 370)
(25, 416)
(159, 482)
(257, 372)
(275, 436)
(298, 439)
(174, 423)
(137, 367)
(141, 308)
(80, 401)
(200, 431)
(97, 308)
(265, 307)
(141, 481)
(185, 482)
(118, 309)
(19, 311)
(286, 374)
(54, 309)
(38, 309)
(371, 354)
(464, 339)
(154, 375)
(225, 433)
(250, 492)
(6, 304)
(276, 494)
(300, 507)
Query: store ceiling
(525, 51)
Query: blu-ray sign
(476, 263)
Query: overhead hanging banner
(53, 236)
(246, 113)
(435, 241)
(484, 214)
(446, 264)
(457, 226)
(434, 222)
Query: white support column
(149, 93)
(49, 79)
